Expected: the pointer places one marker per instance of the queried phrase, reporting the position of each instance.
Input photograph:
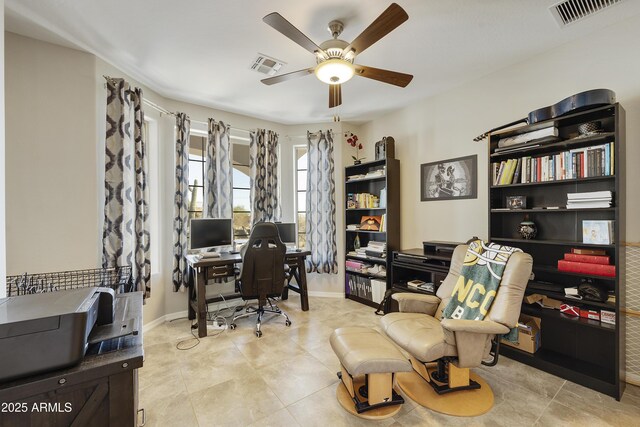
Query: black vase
(527, 229)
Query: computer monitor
(210, 232)
(287, 231)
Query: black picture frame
(449, 179)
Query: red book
(582, 170)
(586, 268)
(590, 259)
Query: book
(585, 251)
(586, 268)
(590, 195)
(516, 175)
(591, 259)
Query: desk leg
(202, 302)
(191, 297)
(285, 289)
(302, 284)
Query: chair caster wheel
(258, 334)
(287, 323)
(232, 326)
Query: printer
(48, 331)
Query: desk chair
(442, 350)
(263, 273)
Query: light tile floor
(288, 378)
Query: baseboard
(633, 379)
(326, 294)
(149, 326)
(166, 318)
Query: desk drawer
(216, 272)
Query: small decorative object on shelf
(352, 140)
(385, 148)
(371, 223)
(597, 232)
(517, 202)
(356, 242)
(527, 228)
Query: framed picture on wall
(449, 179)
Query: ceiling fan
(335, 57)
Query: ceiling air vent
(570, 11)
(266, 65)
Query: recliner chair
(263, 273)
(442, 350)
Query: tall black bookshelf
(376, 176)
(585, 351)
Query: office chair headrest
(264, 230)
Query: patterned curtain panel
(180, 208)
(263, 161)
(321, 204)
(125, 237)
(219, 180)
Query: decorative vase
(357, 162)
(527, 229)
(356, 242)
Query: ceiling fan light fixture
(334, 71)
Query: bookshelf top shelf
(562, 145)
(371, 178)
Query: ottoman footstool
(368, 363)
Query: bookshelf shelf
(539, 210)
(565, 350)
(373, 185)
(370, 178)
(550, 242)
(557, 181)
(558, 146)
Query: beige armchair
(442, 350)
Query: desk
(214, 268)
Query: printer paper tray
(117, 329)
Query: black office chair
(263, 273)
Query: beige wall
(444, 126)
(50, 135)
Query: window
(197, 166)
(241, 192)
(300, 155)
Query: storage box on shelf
(570, 182)
(372, 194)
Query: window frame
(297, 191)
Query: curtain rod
(171, 113)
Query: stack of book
(353, 227)
(376, 249)
(362, 200)
(592, 199)
(572, 164)
(595, 262)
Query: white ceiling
(200, 51)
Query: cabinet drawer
(219, 271)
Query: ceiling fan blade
(284, 77)
(286, 28)
(384, 76)
(335, 95)
(388, 21)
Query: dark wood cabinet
(376, 178)
(429, 264)
(588, 352)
